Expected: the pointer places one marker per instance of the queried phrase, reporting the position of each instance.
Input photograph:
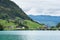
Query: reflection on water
(29, 35)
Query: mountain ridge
(46, 19)
(8, 7)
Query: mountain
(12, 16)
(46, 19)
(9, 9)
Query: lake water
(29, 35)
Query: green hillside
(33, 25)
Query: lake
(29, 35)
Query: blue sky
(40, 7)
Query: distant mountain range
(46, 19)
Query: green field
(33, 25)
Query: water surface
(29, 35)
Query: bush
(1, 27)
(58, 25)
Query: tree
(58, 25)
(1, 27)
(4, 0)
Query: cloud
(51, 12)
(32, 12)
(40, 7)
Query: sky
(39, 7)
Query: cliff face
(9, 10)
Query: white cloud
(51, 12)
(33, 11)
(40, 7)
